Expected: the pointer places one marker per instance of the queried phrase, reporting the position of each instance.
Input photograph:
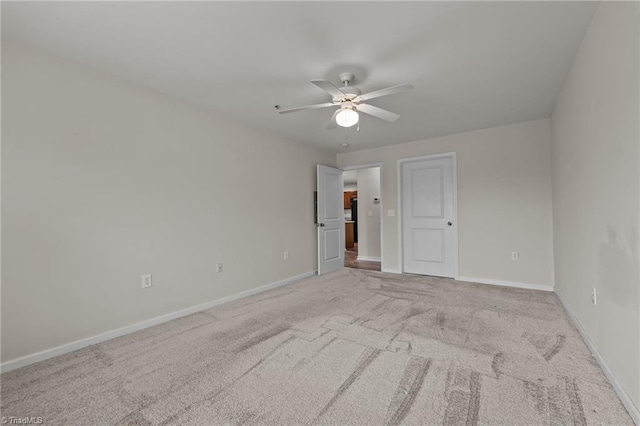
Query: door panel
(428, 217)
(331, 244)
(332, 183)
(427, 185)
(428, 245)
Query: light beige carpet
(351, 347)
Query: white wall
(596, 189)
(103, 181)
(369, 226)
(504, 199)
(350, 180)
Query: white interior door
(330, 224)
(428, 217)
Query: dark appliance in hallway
(354, 218)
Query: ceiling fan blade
(326, 105)
(377, 112)
(328, 87)
(384, 92)
(333, 124)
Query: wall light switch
(369, 213)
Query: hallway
(351, 260)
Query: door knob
(321, 225)
(449, 223)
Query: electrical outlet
(147, 281)
(286, 254)
(594, 300)
(219, 267)
(391, 213)
(515, 255)
(369, 213)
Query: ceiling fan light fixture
(347, 117)
(351, 102)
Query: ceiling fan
(349, 101)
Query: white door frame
(400, 163)
(369, 166)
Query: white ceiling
(473, 64)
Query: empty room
(328, 213)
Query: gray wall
(369, 226)
(504, 199)
(596, 189)
(104, 181)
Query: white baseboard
(370, 259)
(79, 344)
(543, 287)
(391, 271)
(633, 410)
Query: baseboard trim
(391, 271)
(628, 403)
(82, 343)
(368, 258)
(515, 284)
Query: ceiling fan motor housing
(350, 92)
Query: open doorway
(363, 218)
